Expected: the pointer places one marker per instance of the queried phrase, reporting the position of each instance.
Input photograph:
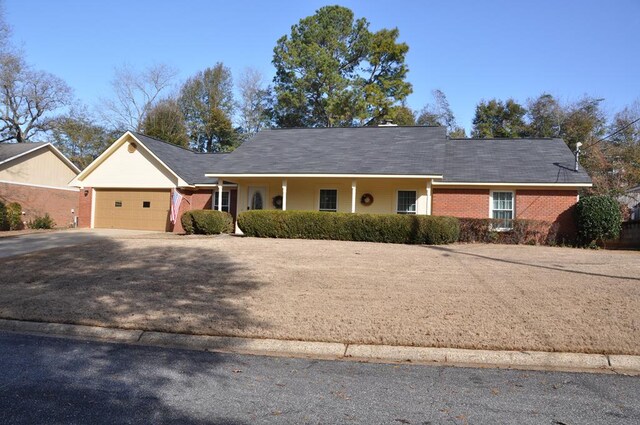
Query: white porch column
(353, 196)
(284, 194)
(219, 197)
(428, 197)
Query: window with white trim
(406, 202)
(225, 200)
(328, 200)
(502, 210)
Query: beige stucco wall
(41, 167)
(124, 169)
(304, 193)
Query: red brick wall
(556, 206)
(36, 201)
(470, 203)
(84, 207)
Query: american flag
(176, 199)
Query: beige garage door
(132, 209)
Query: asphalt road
(46, 380)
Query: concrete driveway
(24, 244)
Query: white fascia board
(44, 186)
(362, 176)
(439, 183)
(66, 160)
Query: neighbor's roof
(511, 161)
(357, 150)
(189, 165)
(11, 151)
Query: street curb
(530, 360)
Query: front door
(257, 198)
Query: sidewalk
(530, 360)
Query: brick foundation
(38, 201)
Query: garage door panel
(132, 209)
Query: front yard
(465, 296)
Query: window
(146, 204)
(328, 200)
(502, 209)
(225, 200)
(118, 204)
(406, 202)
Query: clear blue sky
(471, 50)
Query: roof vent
(387, 123)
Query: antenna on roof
(387, 123)
(577, 154)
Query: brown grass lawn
(466, 296)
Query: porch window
(225, 200)
(502, 210)
(328, 200)
(406, 202)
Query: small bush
(206, 222)
(599, 219)
(389, 228)
(39, 222)
(13, 216)
(524, 232)
(4, 224)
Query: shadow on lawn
(522, 263)
(159, 286)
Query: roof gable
(12, 151)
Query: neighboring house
(631, 199)
(404, 170)
(37, 176)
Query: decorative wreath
(277, 202)
(366, 199)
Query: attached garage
(132, 209)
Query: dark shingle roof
(362, 150)
(380, 150)
(511, 161)
(9, 150)
(189, 165)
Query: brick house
(37, 176)
(386, 169)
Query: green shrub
(14, 216)
(4, 224)
(599, 218)
(39, 222)
(524, 232)
(389, 228)
(207, 222)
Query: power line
(612, 134)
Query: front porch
(361, 194)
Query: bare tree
(135, 93)
(254, 97)
(28, 98)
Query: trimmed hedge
(389, 228)
(599, 219)
(524, 232)
(206, 222)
